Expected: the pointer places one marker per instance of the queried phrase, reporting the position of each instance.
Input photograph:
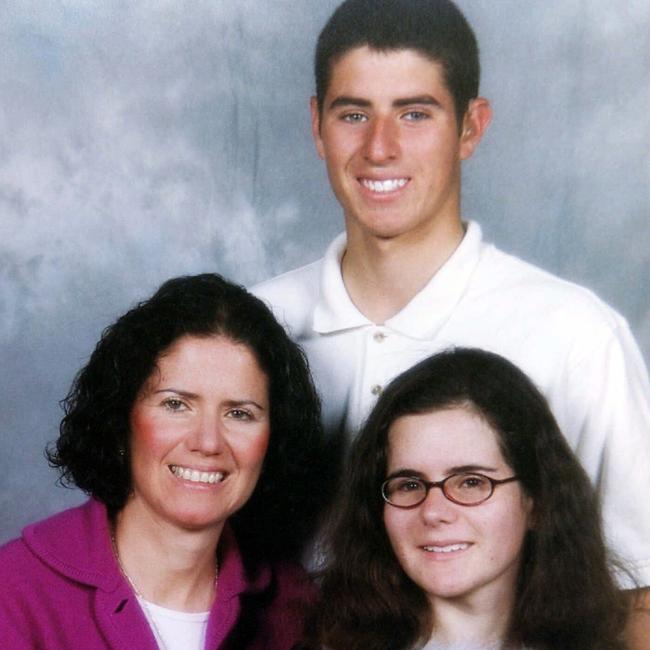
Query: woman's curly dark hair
(566, 597)
(92, 449)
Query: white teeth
(195, 476)
(384, 186)
(446, 549)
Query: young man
(396, 112)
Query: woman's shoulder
(17, 570)
(15, 557)
(292, 592)
(73, 544)
(292, 581)
(23, 558)
(80, 521)
(249, 569)
(278, 594)
(29, 587)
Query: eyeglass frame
(428, 485)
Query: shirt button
(379, 336)
(376, 389)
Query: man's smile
(384, 186)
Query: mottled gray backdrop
(145, 139)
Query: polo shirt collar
(335, 311)
(422, 316)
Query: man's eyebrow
(417, 99)
(345, 100)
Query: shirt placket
(377, 342)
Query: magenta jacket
(61, 588)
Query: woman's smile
(196, 475)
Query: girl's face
(451, 551)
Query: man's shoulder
(281, 287)
(292, 296)
(525, 285)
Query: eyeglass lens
(462, 488)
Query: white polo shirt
(578, 351)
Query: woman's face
(199, 433)
(452, 551)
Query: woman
(466, 522)
(194, 428)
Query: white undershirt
(176, 630)
(435, 645)
(467, 645)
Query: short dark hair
(371, 602)
(435, 28)
(92, 449)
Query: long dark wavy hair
(566, 598)
(92, 449)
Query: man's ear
(315, 127)
(477, 119)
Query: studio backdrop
(148, 139)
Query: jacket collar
(77, 544)
(235, 577)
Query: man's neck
(382, 276)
